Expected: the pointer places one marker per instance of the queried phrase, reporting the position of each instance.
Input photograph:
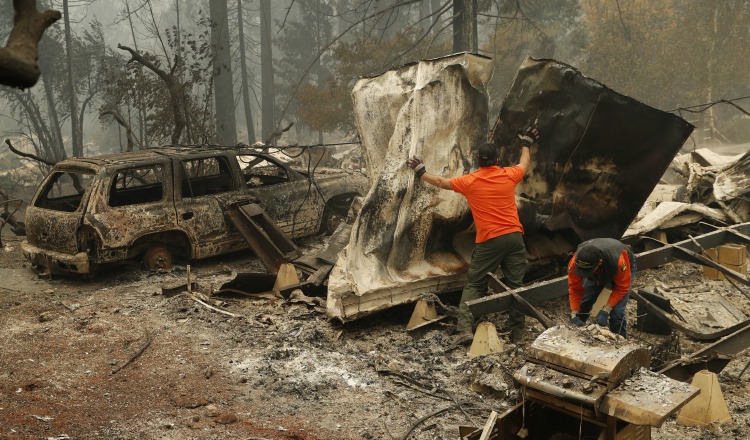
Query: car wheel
(157, 257)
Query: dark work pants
(509, 253)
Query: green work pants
(509, 253)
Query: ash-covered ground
(280, 370)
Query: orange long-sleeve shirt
(620, 282)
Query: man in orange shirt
(490, 191)
(600, 263)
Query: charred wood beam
(558, 287)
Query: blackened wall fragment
(600, 153)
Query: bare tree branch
(18, 59)
(331, 43)
(115, 113)
(28, 155)
(288, 10)
(622, 21)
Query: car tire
(157, 257)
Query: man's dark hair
(487, 155)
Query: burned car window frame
(196, 183)
(128, 195)
(80, 182)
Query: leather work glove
(575, 319)
(417, 166)
(530, 136)
(602, 318)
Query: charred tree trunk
(465, 37)
(712, 132)
(76, 135)
(55, 147)
(226, 129)
(424, 16)
(243, 73)
(266, 70)
(173, 87)
(140, 105)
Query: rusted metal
(112, 208)
(496, 284)
(265, 239)
(605, 382)
(712, 358)
(665, 253)
(672, 319)
(158, 258)
(250, 283)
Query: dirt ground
(280, 370)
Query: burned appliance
(594, 382)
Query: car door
(134, 200)
(56, 213)
(207, 187)
(289, 199)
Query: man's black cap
(487, 154)
(587, 258)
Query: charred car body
(157, 204)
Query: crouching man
(600, 263)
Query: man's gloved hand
(575, 319)
(530, 136)
(602, 318)
(417, 166)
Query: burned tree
(174, 87)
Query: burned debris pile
(698, 186)
(395, 242)
(588, 177)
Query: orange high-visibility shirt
(491, 193)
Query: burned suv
(157, 204)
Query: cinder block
(742, 268)
(712, 253)
(733, 254)
(712, 274)
(709, 272)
